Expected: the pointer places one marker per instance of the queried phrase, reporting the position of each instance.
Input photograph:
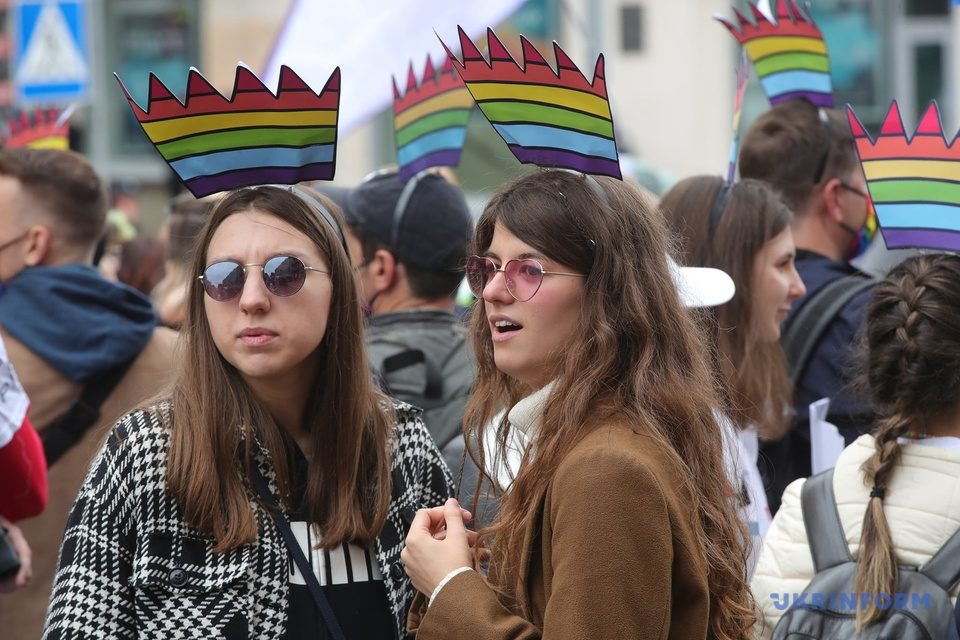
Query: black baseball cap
(421, 221)
(339, 195)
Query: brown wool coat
(22, 613)
(617, 557)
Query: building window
(631, 27)
(929, 73)
(158, 37)
(927, 7)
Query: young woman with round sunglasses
(273, 470)
(744, 229)
(614, 526)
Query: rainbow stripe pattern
(790, 55)
(41, 129)
(254, 137)
(430, 119)
(743, 77)
(546, 117)
(914, 184)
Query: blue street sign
(51, 52)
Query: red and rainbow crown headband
(790, 55)
(430, 119)
(914, 182)
(255, 137)
(38, 129)
(546, 117)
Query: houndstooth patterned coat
(130, 566)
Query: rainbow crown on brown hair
(914, 182)
(214, 143)
(789, 54)
(546, 117)
(39, 129)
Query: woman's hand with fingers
(437, 544)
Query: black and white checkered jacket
(130, 566)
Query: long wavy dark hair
(217, 420)
(638, 355)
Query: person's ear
(382, 270)
(37, 245)
(830, 194)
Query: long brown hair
(753, 373)
(639, 356)
(913, 373)
(217, 420)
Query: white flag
(370, 40)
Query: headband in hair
(430, 119)
(39, 129)
(307, 197)
(255, 137)
(789, 54)
(914, 183)
(547, 118)
(719, 206)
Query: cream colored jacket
(922, 506)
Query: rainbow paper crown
(548, 118)
(789, 55)
(254, 137)
(743, 76)
(914, 183)
(40, 129)
(430, 119)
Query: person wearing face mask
(408, 243)
(86, 350)
(743, 229)
(807, 154)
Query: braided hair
(912, 372)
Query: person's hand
(9, 585)
(437, 544)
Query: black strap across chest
(323, 605)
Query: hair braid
(911, 341)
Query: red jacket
(23, 475)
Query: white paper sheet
(826, 443)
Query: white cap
(701, 286)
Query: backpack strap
(953, 633)
(812, 319)
(944, 567)
(391, 364)
(435, 374)
(69, 428)
(828, 542)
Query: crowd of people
(274, 421)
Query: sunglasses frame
(503, 269)
(203, 277)
(852, 189)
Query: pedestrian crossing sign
(51, 52)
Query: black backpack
(439, 387)
(920, 609)
(806, 329)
